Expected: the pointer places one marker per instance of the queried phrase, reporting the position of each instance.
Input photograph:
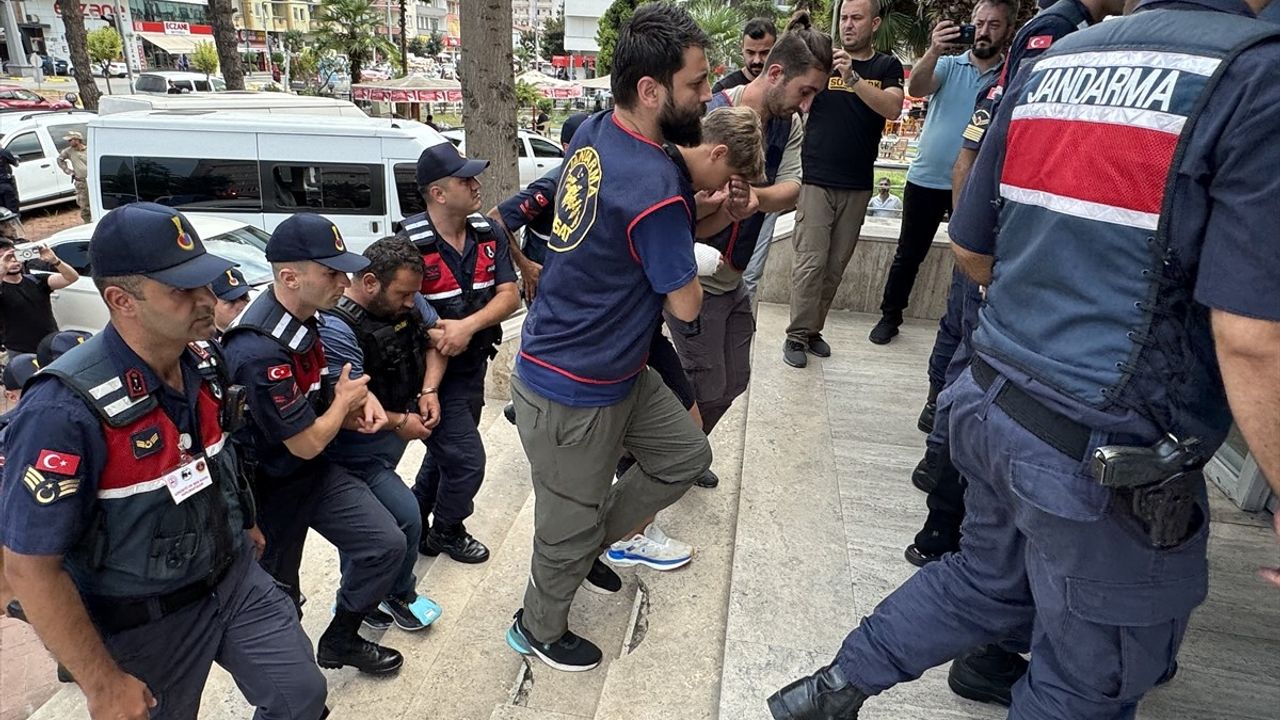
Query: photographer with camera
(26, 313)
(951, 82)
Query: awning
(175, 44)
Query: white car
(35, 138)
(113, 69)
(79, 306)
(536, 154)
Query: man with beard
(379, 327)
(129, 535)
(841, 142)
(296, 409)
(758, 37)
(26, 313)
(715, 348)
(469, 280)
(621, 251)
(952, 83)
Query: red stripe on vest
(308, 366)
(1061, 157)
(123, 469)
(436, 276)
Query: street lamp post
(128, 61)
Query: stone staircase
(662, 635)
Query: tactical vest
(445, 291)
(1088, 296)
(1070, 10)
(737, 242)
(266, 316)
(394, 352)
(139, 542)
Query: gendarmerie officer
(469, 280)
(232, 292)
(8, 186)
(1118, 311)
(379, 328)
(129, 533)
(296, 409)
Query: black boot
(923, 476)
(824, 695)
(456, 542)
(509, 412)
(987, 675)
(925, 422)
(341, 645)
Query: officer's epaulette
(119, 399)
(267, 316)
(418, 229)
(479, 222)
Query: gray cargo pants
(573, 452)
(715, 351)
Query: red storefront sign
(173, 29)
(573, 61)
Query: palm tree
(404, 37)
(723, 24)
(224, 39)
(351, 27)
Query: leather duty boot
(824, 695)
(454, 541)
(987, 675)
(341, 645)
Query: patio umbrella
(410, 88)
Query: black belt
(116, 615)
(1061, 433)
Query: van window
(186, 183)
(26, 147)
(329, 187)
(407, 189)
(544, 149)
(151, 83)
(57, 132)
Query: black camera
(967, 34)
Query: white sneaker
(652, 549)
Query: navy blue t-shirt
(623, 240)
(1224, 223)
(532, 209)
(53, 427)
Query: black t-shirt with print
(842, 135)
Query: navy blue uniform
(245, 624)
(531, 209)
(1076, 237)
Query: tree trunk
(77, 42)
(224, 39)
(404, 37)
(489, 95)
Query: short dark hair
(1010, 8)
(131, 284)
(652, 44)
(388, 255)
(759, 28)
(801, 48)
(6, 244)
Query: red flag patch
(279, 372)
(62, 463)
(1039, 42)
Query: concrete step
(516, 712)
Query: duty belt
(116, 615)
(1060, 432)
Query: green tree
(303, 66)
(350, 27)
(77, 45)
(104, 46)
(418, 45)
(607, 32)
(205, 58)
(553, 36)
(529, 42)
(723, 24)
(435, 44)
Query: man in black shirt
(25, 310)
(758, 37)
(841, 142)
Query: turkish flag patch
(1039, 42)
(276, 373)
(62, 463)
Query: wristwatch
(854, 77)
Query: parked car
(55, 66)
(114, 68)
(19, 98)
(176, 82)
(35, 138)
(262, 168)
(536, 154)
(80, 307)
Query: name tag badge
(189, 479)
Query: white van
(260, 169)
(173, 82)
(232, 100)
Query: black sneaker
(708, 480)
(375, 619)
(987, 675)
(819, 347)
(602, 580)
(570, 653)
(412, 615)
(885, 330)
(793, 354)
(919, 557)
(509, 412)
(455, 542)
